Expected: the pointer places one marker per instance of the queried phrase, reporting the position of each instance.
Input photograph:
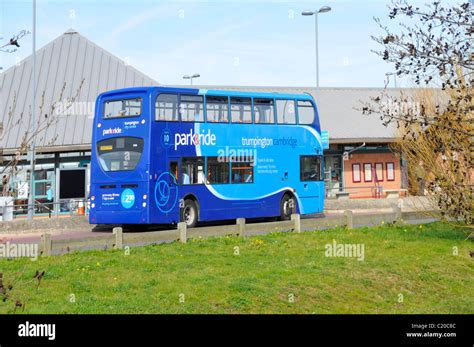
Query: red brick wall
(366, 189)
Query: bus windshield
(119, 153)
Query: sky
(228, 42)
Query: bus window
(192, 170)
(191, 108)
(166, 108)
(310, 168)
(286, 111)
(174, 169)
(119, 153)
(305, 112)
(263, 109)
(123, 108)
(242, 172)
(241, 110)
(217, 170)
(217, 109)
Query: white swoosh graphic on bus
(220, 196)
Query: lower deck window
(192, 171)
(217, 170)
(311, 168)
(242, 172)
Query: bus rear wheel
(287, 207)
(189, 213)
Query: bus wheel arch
(190, 209)
(288, 205)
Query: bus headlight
(144, 204)
(92, 197)
(92, 205)
(144, 196)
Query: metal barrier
(73, 207)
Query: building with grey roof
(72, 71)
(71, 66)
(338, 112)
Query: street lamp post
(190, 78)
(388, 74)
(31, 199)
(323, 9)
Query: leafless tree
(433, 48)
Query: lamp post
(31, 200)
(388, 74)
(323, 9)
(190, 78)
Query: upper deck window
(166, 107)
(264, 110)
(286, 113)
(306, 112)
(191, 108)
(123, 108)
(217, 109)
(241, 110)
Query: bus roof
(212, 92)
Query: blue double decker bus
(163, 155)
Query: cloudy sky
(228, 42)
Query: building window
(306, 112)
(390, 172)
(264, 111)
(217, 170)
(191, 108)
(217, 109)
(242, 172)
(310, 168)
(286, 111)
(356, 173)
(192, 170)
(241, 110)
(166, 108)
(367, 172)
(123, 108)
(379, 172)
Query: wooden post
(240, 227)
(46, 244)
(183, 233)
(398, 214)
(118, 232)
(297, 219)
(349, 219)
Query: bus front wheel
(287, 207)
(189, 213)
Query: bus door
(312, 181)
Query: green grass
(415, 261)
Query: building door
(333, 174)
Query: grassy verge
(406, 269)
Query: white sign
(22, 189)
